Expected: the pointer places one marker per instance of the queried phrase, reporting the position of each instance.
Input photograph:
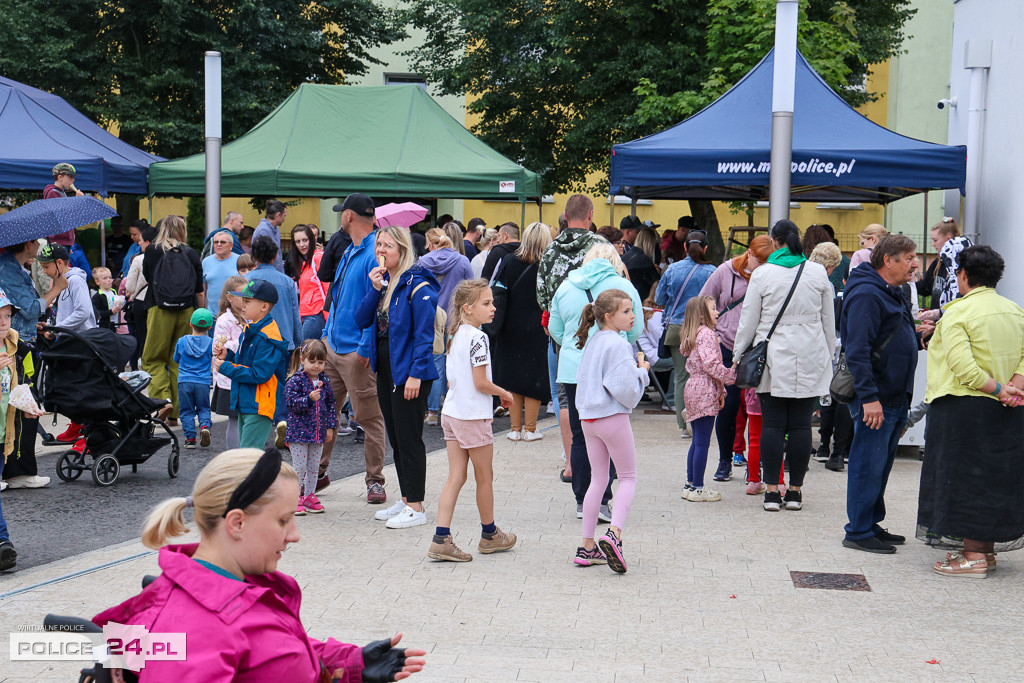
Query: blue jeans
(725, 423)
(3, 525)
(440, 386)
(193, 401)
(871, 456)
(697, 457)
(552, 374)
(312, 327)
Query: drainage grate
(832, 582)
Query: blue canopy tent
(41, 130)
(722, 152)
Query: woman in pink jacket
(240, 615)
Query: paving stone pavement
(708, 595)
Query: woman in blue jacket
(401, 306)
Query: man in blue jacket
(881, 351)
(348, 347)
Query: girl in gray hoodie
(610, 382)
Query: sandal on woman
(958, 565)
(989, 557)
(567, 478)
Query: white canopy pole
(213, 140)
(783, 89)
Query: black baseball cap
(630, 223)
(51, 253)
(358, 202)
(258, 289)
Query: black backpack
(174, 281)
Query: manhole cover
(833, 582)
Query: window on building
(405, 79)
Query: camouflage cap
(64, 169)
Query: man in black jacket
(881, 351)
(504, 244)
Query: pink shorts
(467, 433)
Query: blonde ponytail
(210, 495)
(165, 521)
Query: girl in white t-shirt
(466, 421)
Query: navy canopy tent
(41, 130)
(723, 151)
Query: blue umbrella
(45, 217)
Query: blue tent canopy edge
(41, 130)
(722, 152)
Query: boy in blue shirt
(194, 355)
(259, 368)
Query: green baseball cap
(51, 253)
(202, 318)
(64, 169)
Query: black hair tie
(256, 483)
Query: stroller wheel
(70, 465)
(172, 462)
(105, 470)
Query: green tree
(139, 65)
(557, 84)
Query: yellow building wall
(846, 222)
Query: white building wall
(1001, 213)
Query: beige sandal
(958, 565)
(989, 557)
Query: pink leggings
(609, 437)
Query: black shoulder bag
(751, 365)
(841, 388)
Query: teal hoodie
(567, 307)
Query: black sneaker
(871, 544)
(894, 539)
(772, 501)
(793, 500)
(190, 443)
(360, 435)
(822, 454)
(724, 471)
(835, 463)
(8, 555)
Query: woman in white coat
(799, 367)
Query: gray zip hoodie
(74, 304)
(608, 381)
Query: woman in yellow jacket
(972, 485)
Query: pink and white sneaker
(312, 504)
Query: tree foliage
(556, 84)
(139, 65)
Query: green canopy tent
(331, 140)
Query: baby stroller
(79, 379)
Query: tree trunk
(703, 212)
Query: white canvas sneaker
(407, 518)
(532, 436)
(393, 511)
(514, 436)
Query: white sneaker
(3, 485)
(501, 411)
(551, 408)
(579, 511)
(532, 436)
(704, 495)
(28, 482)
(407, 518)
(514, 436)
(393, 511)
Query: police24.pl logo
(120, 646)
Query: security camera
(951, 102)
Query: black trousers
(725, 423)
(781, 417)
(403, 421)
(836, 423)
(578, 455)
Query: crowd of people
(397, 336)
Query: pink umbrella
(404, 214)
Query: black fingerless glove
(381, 661)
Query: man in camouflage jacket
(566, 252)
